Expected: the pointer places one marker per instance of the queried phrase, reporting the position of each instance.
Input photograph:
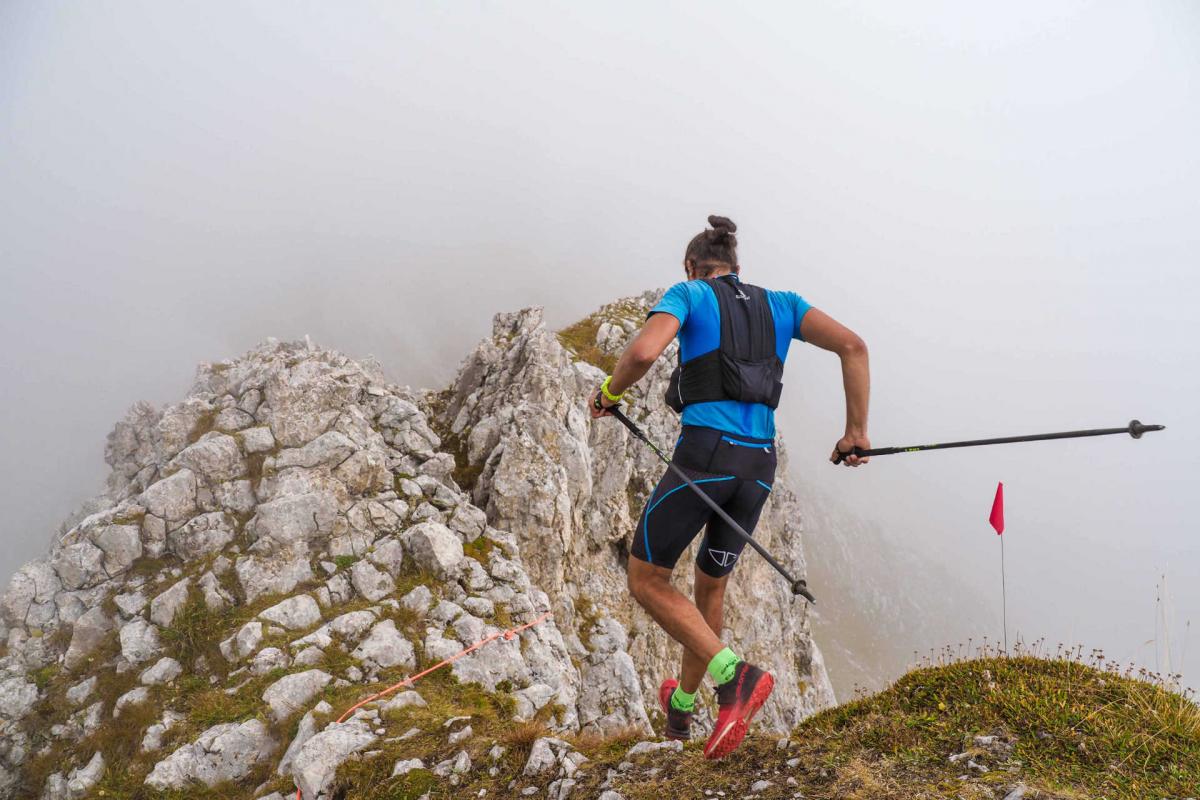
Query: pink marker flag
(997, 515)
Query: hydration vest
(744, 367)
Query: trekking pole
(799, 586)
(1134, 429)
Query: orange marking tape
(507, 635)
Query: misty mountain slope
(885, 607)
(293, 536)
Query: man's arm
(640, 355)
(825, 332)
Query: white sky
(1002, 200)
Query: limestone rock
(305, 731)
(165, 606)
(291, 693)
(434, 547)
(296, 613)
(88, 633)
(225, 752)
(139, 641)
(277, 574)
(173, 499)
(165, 670)
(201, 536)
(370, 582)
(386, 647)
(216, 458)
(17, 696)
(313, 768)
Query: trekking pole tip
(1136, 429)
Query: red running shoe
(738, 700)
(679, 723)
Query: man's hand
(600, 405)
(845, 448)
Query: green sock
(722, 666)
(683, 701)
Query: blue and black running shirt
(694, 304)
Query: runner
(733, 340)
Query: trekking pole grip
(855, 451)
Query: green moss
(345, 562)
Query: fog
(1002, 201)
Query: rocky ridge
(299, 530)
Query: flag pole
(996, 518)
(1003, 595)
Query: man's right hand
(845, 449)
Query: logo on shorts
(723, 558)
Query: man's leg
(651, 586)
(710, 600)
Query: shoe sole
(728, 738)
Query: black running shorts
(735, 471)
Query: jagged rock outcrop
(571, 489)
(295, 531)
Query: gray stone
(407, 766)
(17, 697)
(153, 739)
(386, 647)
(165, 670)
(460, 735)
(419, 600)
(760, 786)
(294, 518)
(88, 633)
(226, 752)
(468, 521)
(165, 606)
(291, 693)
(216, 457)
(278, 574)
(370, 582)
(81, 691)
(544, 755)
(232, 420)
(641, 748)
(134, 697)
(268, 659)
(244, 642)
(532, 699)
(329, 449)
(80, 781)
(122, 545)
(201, 536)
(404, 700)
(295, 613)
(215, 596)
(79, 565)
(258, 440)
(304, 731)
(434, 547)
(130, 603)
(236, 497)
(314, 767)
(172, 499)
(388, 554)
(139, 641)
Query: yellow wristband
(609, 396)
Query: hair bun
(722, 224)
